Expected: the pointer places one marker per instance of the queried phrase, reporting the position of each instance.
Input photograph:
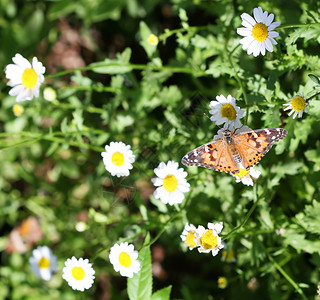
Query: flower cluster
(206, 240)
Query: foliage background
(153, 98)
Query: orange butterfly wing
(213, 155)
(253, 145)
(250, 145)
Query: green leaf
(310, 217)
(145, 34)
(140, 285)
(163, 294)
(120, 65)
(314, 78)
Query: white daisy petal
(118, 159)
(258, 32)
(248, 19)
(170, 183)
(78, 273)
(43, 263)
(298, 106)
(24, 77)
(123, 257)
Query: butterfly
(230, 151)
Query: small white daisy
(298, 105)
(224, 110)
(208, 240)
(118, 159)
(24, 78)
(258, 32)
(247, 177)
(43, 263)
(124, 259)
(188, 236)
(78, 273)
(170, 183)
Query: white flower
(188, 236)
(124, 259)
(246, 177)
(258, 32)
(209, 239)
(78, 273)
(171, 183)
(24, 78)
(224, 110)
(43, 263)
(118, 159)
(298, 105)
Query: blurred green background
(153, 98)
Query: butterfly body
(233, 151)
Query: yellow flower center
(18, 110)
(29, 78)
(227, 256)
(222, 282)
(153, 40)
(208, 240)
(190, 240)
(242, 173)
(170, 183)
(44, 263)
(125, 259)
(228, 111)
(260, 32)
(118, 159)
(78, 273)
(298, 103)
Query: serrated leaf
(140, 285)
(310, 217)
(118, 66)
(163, 294)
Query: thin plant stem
(287, 276)
(253, 207)
(243, 90)
(297, 25)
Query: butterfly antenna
(206, 116)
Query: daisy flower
(78, 273)
(124, 259)
(224, 110)
(25, 78)
(153, 39)
(247, 177)
(208, 240)
(258, 32)
(43, 263)
(298, 105)
(188, 236)
(170, 183)
(118, 159)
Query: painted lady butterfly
(234, 151)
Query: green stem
(239, 82)
(90, 109)
(153, 67)
(286, 276)
(297, 25)
(253, 207)
(169, 33)
(315, 95)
